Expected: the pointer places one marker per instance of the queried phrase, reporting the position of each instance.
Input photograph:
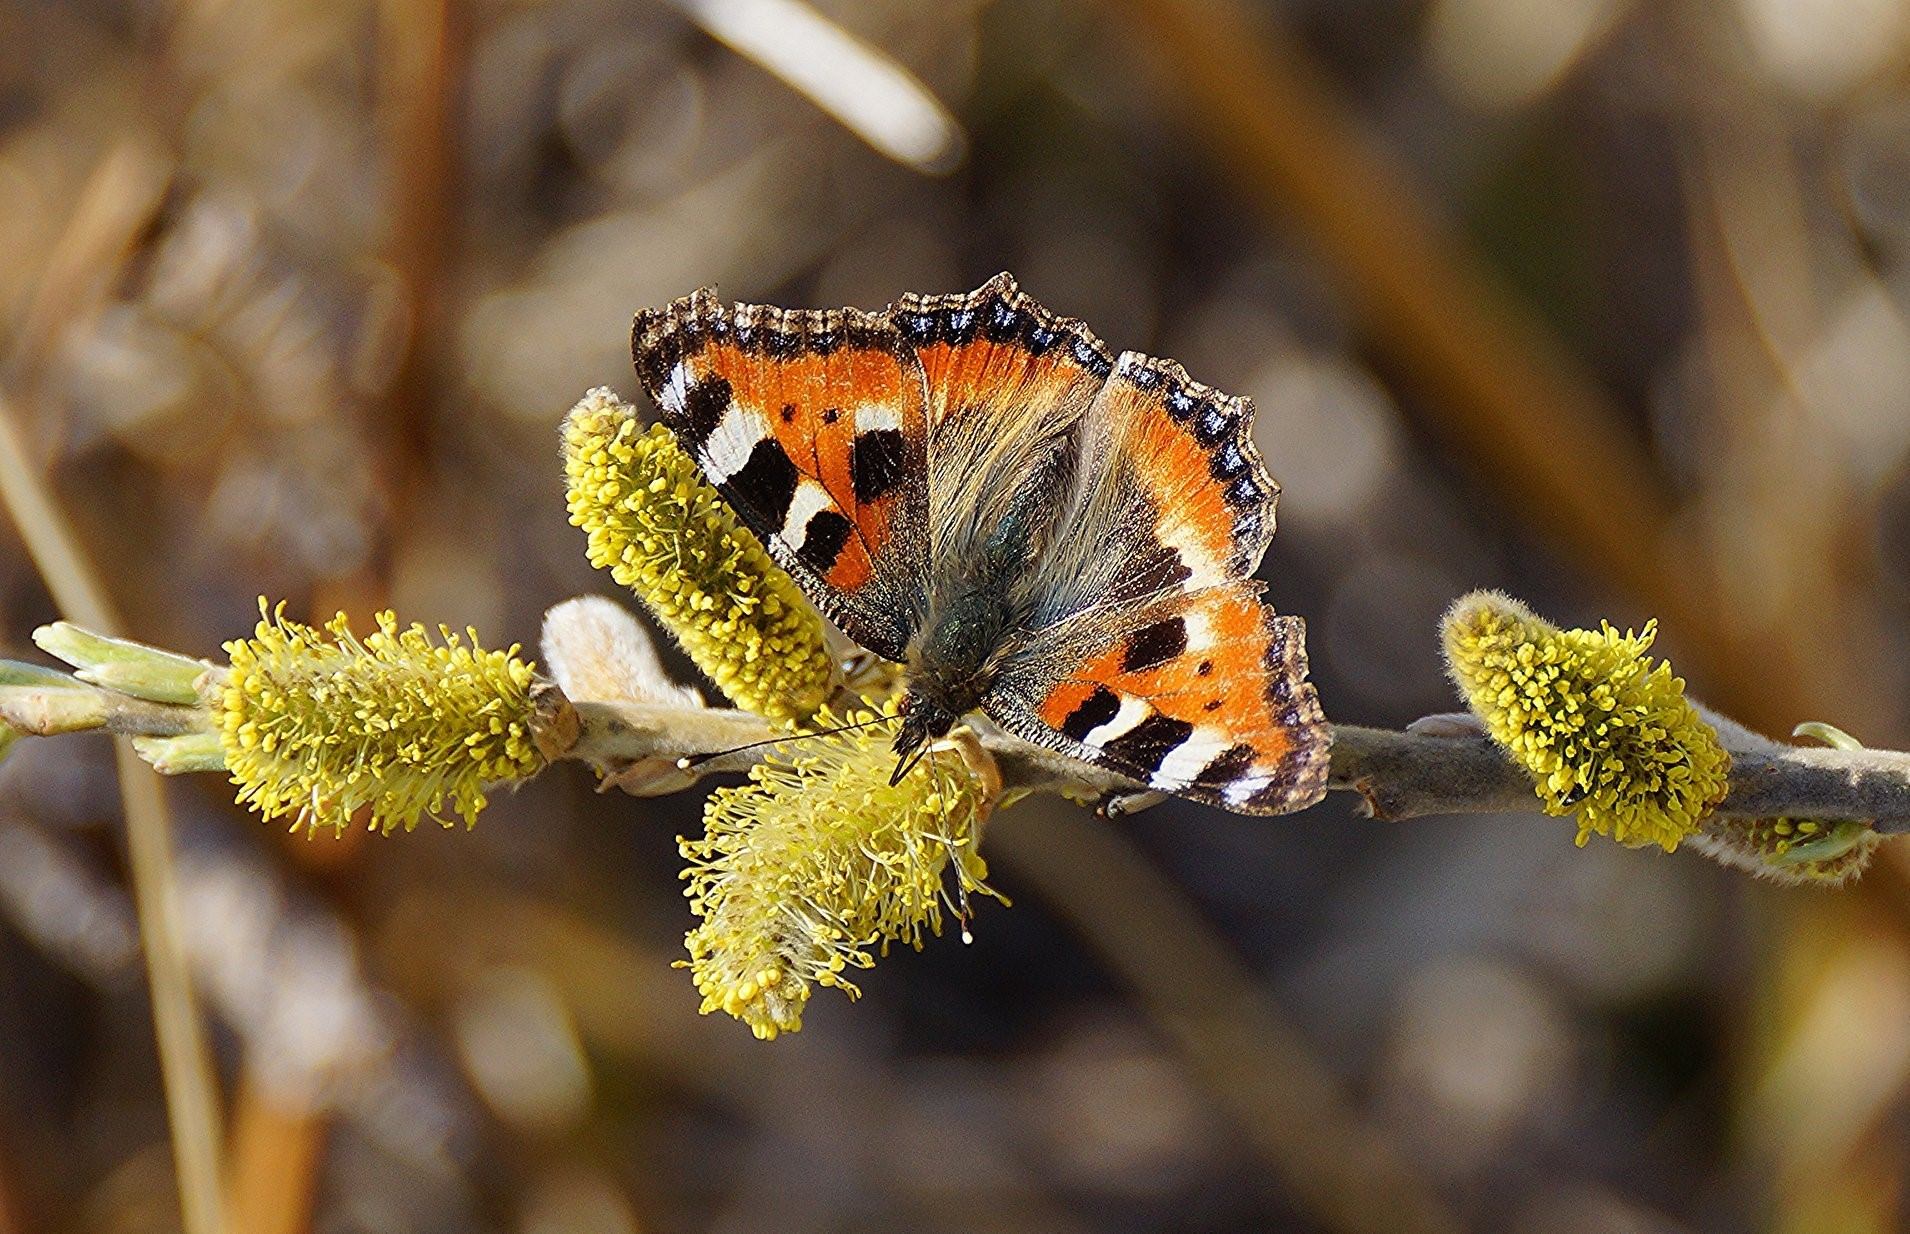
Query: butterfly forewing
(1007, 384)
(1188, 449)
(811, 424)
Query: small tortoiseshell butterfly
(1035, 528)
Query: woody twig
(1398, 774)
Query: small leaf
(178, 755)
(1837, 839)
(122, 665)
(1832, 736)
(19, 673)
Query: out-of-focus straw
(191, 1102)
(185, 1065)
(874, 97)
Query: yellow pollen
(1604, 730)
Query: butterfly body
(955, 657)
(1036, 529)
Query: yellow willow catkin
(315, 728)
(815, 861)
(662, 531)
(1604, 730)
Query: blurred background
(1598, 301)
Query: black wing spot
(703, 406)
(1213, 422)
(1094, 711)
(1002, 321)
(1155, 644)
(823, 539)
(1086, 355)
(831, 414)
(1227, 766)
(767, 482)
(1147, 744)
(876, 463)
(1155, 568)
(1228, 461)
(1206, 668)
(918, 328)
(958, 326)
(789, 412)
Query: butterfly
(1058, 537)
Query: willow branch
(1399, 775)
(638, 747)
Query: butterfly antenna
(697, 760)
(963, 915)
(906, 764)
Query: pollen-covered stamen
(1604, 730)
(315, 728)
(661, 530)
(817, 863)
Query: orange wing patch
(811, 424)
(1190, 449)
(1207, 698)
(840, 420)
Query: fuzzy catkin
(662, 531)
(817, 860)
(315, 729)
(1605, 731)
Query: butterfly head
(923, 720)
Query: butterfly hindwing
(1187, 450)
(811, 424)
(1203, 694)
